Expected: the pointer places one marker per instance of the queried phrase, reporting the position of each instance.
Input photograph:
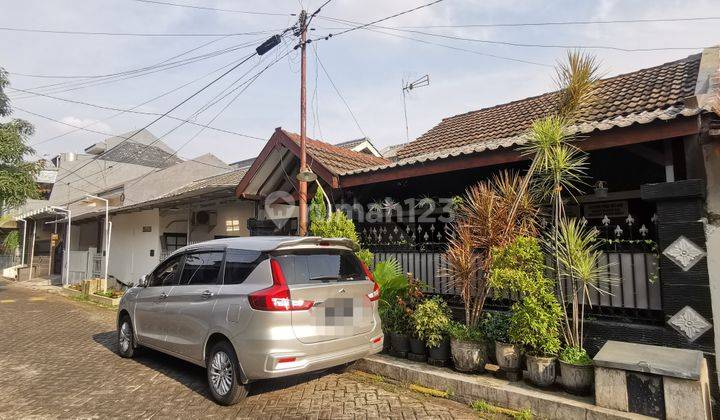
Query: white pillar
(32, 250)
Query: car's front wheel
(126, 338)
(223, 373)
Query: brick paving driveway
(58, 360)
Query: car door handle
(206, 294)
(163, 296)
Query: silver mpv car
(255, 308)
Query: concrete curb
(469, 388)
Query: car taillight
(375, 294)
(277, 296)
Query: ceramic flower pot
(508, 356)
(540, 370)
(468, 356)
(439, 355)
(400, 344)
(577, 379)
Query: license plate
(338, 308)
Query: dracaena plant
(481, 226)
(579, 265)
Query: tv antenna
(406, 88)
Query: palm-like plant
(578, 256)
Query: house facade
(153, 202)
(653, 193)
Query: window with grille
(232, 225)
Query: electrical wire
(173, 108)
(194, 115)
(340, 95)
(50, 76)
(232, 100)
(495, 42)
(132, 110)
(132, 34)
(568, 22)
(363, 25)
(452, 47)
(131, 74)
(214, 9)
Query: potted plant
(482, 224)
(578, 262)
(535, 325)
(409, 300)
(535, 321)
(398, 325)
(392, 282)
(431, 320)
(468, 348)
(576, 371)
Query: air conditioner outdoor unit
(204, 218)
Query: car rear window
(313, 266)
(239, 263)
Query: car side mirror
(143, 281)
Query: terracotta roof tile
(337, 159)
(645, 91)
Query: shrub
(575, 356)
(431, 320)
(519, 268)
(395, 320)
(462, 332)
(535, 322)
(495, 325)
(338, 225)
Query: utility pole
(302, 216)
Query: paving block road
(58, 360)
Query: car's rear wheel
(223, 373)
(126, 338)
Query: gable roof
(277, 164)
(140, 154)
(336, 158)
(640, 96)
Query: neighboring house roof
(390, 152)
(351, 143)
(337, 159)
(362, 145)
(140, 154)
(103, 169)
(141, 137)
(158, 183)
(245, 163)
(224, 180)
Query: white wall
(176, 221)
(130, 247)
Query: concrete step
(468, 388)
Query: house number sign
(611, 209)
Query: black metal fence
(629, 287)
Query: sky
(367, 68)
